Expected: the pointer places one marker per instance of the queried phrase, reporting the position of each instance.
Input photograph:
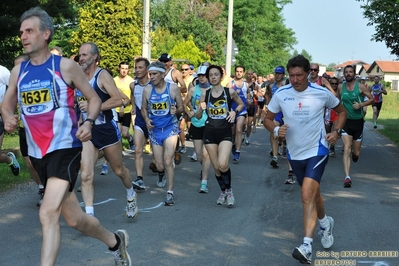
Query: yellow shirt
(123, 85)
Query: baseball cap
(202, 70)
(279, 69)
(191, 67)
(165, 58)
(363, 78)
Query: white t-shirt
(4, 79)
(304, 114)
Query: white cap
(363, 78)
(202, 70)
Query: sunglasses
(185, 69)
(314, 69)
(334, 83)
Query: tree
(261, 36)
(115, 26)
(61, 11)
(202, 19)
(304, 53)
(188, 50)
(383, 14)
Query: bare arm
(188, 108)
(176, 95)
(132, 99)
(144, 107)
(107, 83)
(177, 76)
(327, 84)
(367, 93)
(10, 102)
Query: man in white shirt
(302, 104)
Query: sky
(333, 31)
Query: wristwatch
(91, 121)
(339, 131)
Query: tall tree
(383, 14)
(304, 53)
(188, 50)
(115, 26)
(202, 19)
(62, 11)
(263, 40)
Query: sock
(324, 223)
(221, 183)
(226, 177)
(347, 177)
(170, 192)
(118, 242)
(308, 241)
(41, 186)
(130, 193)
(161, 175)
(238, 151)
(204, 181)
(89, 210)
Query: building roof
(350, 62)
(385, 66)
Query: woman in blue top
(196, 131)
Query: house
(339, 69)
(386, 70)
(363, 70)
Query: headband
(160, 69)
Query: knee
(138, 152)
(86, 175)
(224, 167)
(48, 215)
(120, 170)
(308, 195)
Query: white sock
(204, 181)
(41, 186)
(347, 177)
(324, 223)
(130, 193)
(170, 192)
(89, 210)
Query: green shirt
(348, 98)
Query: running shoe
(348, 182)
(203, 188)
(161, 181)
(41, 195)
(290, 179)
(138, 184)
(327, 239)
(153, 167)
(230, 201)
(222, 198)
(121, 255)
(147, 149)
(271, 154)
(170, 199)
(355, 158)
(274, 162)
(14, 165)
(303, 253)
(183, 149)
(132, 209)
(236, 158)
(375, 125)
(247, 141)
(233, 150)
(193, 158)
(104, 169)
(280, 150)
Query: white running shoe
(131, 207)
(303, 253)
(327, 239)
(222, 198)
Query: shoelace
(118, 257)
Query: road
(262, 228)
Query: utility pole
(229, 38)
(146, 45)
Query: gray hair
(57, 48)
(46, 23)
(157, 64)
(94, 50)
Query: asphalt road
(262, 228)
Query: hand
(231, 117)
(357, 105)
(191, 113)
(83, 106)
(282, 132)
(11, 123)
(84, 132)
(149, 124)
(332, 138)
(173, 109)
(133, 111)
(202, 106)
